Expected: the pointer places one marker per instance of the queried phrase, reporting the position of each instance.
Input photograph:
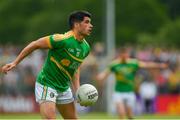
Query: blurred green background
(138, 22)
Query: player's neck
(123, 60)
(77, 35)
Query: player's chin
(89, 33)
(86, 34)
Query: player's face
(124, 55)
(85, 27)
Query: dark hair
(123, 49)
(77, 16)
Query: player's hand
(163, 65)
(8, 67)
(81, 104)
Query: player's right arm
(42, 43)
(101, 77)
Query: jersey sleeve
(56, 41)
(136, 63)
(112, 65)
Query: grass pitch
(87, 116)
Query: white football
(87, 95)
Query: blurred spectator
(10, 83)
(98, 49)
(88, 69)
(148, 92)
(21, 80)
(28, 82)
(174, 81)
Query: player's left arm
(76, 80)
(41, 43)
(143, 64)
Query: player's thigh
(68, 111)
(46, 97)
(65, 104)
(48, 109)
(118, 100)
(131, 100)
(121, 108)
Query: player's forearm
(152, 65)
(25, 52)
(103, 75)
(76, 81)
(76, 85)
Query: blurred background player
(125, 70)
(66, 53)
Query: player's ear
(76, 24)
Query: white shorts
(44, 93)
(128, 98)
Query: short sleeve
(135, 63)
(111, 66)
(56, 41)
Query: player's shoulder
(114, 62)
(59, 37)
(133, 61)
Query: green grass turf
(94, 116)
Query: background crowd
(150, 82)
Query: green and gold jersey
(124, 74)
(64, 58)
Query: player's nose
(91, 26)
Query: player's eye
(87, 21)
